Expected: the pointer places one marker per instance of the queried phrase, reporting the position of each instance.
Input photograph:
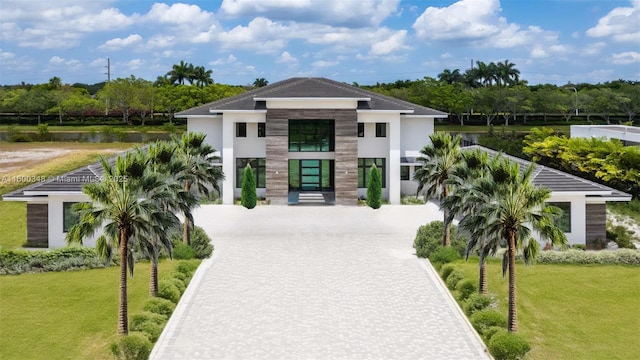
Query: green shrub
(446, 271)
(135, 346)
(454, 278)
(160, 306)
(201, 243)
(183, 251)
(484, 319)
(374, 188)
(621, 236)
(168, 290)
(620, 256)
(181, 276)
(146, 316)
(186, 267)
(248, 197)
(178, 283)
(444, 255)
(429, 237)
(465, 289)
(579, 247)
(150, 328)
(475, 303)
(15, 135)
(43, 133)
(68, 258)
(508, 346)
(488, 334)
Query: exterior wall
(628, 134)
(37, 225)
(211, 126)
(409, 187)
(316, 103)
(56, 233)
(415, 134)
(596, 220)
(578, 223)
(277, 152)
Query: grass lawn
(572, 311)
(96, 128)
(66, 315)
(498, 128)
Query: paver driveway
(303, 282)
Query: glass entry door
(311, 175)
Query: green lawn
(13, 222)
(96, 128)
(572, 311)
(66, 315)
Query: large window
(311, 135)
(381, 130)
(69, 217)
(404, 172)
(564, 221)
(259, 170)
(241, 129)
(262, 129)
(364, 166)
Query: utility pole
(108, 73)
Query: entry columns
(228, 166)
(394, 161)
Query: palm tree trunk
(186, 228)
(513, 314)
(446, 237)
(482, 281)
(153, 282)
(123, 322)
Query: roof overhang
(31, 199)
(311, 98)
(197, 116)
(364, 111)
(583, 193)
(49, 193)
(444, 116)
(601, 199)
(216, 111)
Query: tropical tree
(122, 94)
(516, 210)
(180, 72)
(507, 74)
(260, 82)
(451, 77)
(374, 188)
(200, 175)
(126, 203)
(201, 76)
(438, 161)
(249, 198)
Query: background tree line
(486, 94)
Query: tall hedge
(249, 198)
(374, 188)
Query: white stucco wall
(212, 126)
(415, 133)
(56, 233)
(371, 146)
(578, 221)
(317, 103)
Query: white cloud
(286, 58)
(120, 43)
(261, 35)
(621, 24)
(228, 60)
(57, 62)
(624, 58)
(161, 41)
(392, 43)
(594, 49)
(323, 63)
(133, 64)
(352, 14)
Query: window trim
(241, 129)
(259, 167)
(361, 129)
(67, 210)
(362, 166)
(381, 130)
(262, 129)
(408, 173)
(297, 138)
(562, 205)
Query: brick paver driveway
(303, 282)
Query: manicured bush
(621, 236)
(160, 306)
(168, 290)
(67, 258)
(182, 251)
(579, 247)
(248, 197)
(187, 267)
(43, 133)
(444, 255)
(151, 329)
(454, 278)
(146, 316)
(508, 346)
(446, 271)
(429, 237)
(201, 243)
(465, 289)
(475, 303)
(620, 256)
(488, 334)
(484, 319)
(178, 283)
(135, 346)
(374, 188)
(181, 276)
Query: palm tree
(201, 76)
(438, 161)
(507, 73)
(200, 176)
(450, 77)
(125, 203)
(517, 208)
(260, 82)
(180, 72)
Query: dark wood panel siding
(346, 152)
(596, 222)
(38, 225)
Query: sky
(363, 41)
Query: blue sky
(364, 41)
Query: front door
(311, 175)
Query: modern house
(314, 136)
(583, 202)
(629, 135)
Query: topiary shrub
(508, 346)
(454, 278)
(181, 276)
(484, 319)
(179, 284)
(186, 267)
(429, 237)
(475, 303)
(151, 329)
(142, 317)
(135, 346)
(160, 306)
(444, 255)
(248, 197)
(446, 271)
(488, 334)
(465, 289)
(168, 290)
(201, 243)
(374, 188)
(182, 251)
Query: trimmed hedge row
(67, 258)
(615, 257)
